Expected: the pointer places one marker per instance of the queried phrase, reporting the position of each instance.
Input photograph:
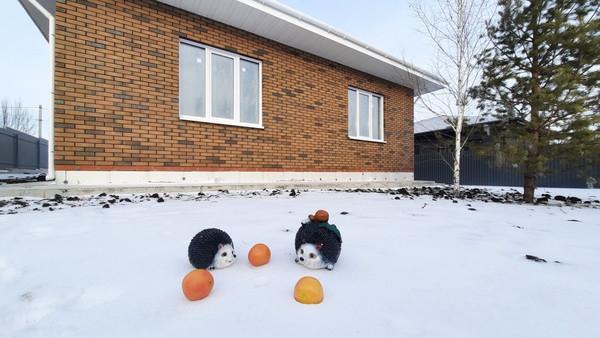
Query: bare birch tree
(17, 117)
(457, 29)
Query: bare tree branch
(17, 117)
(457, 29)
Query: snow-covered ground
(409, 267)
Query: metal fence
(22, 151)
(477, 171)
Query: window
(216, 86)
(365, 115)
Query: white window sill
(221, 121)
(365, 139)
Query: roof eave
(40, 20)
(285, 25)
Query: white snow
(408, 268)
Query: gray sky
(388, 25)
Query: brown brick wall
(116, 99)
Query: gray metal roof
(285, 25)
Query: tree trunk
(528, 188)
(461, 100)
(457, 153)
(533, 154)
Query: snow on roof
(441, 123)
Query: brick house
(221, 91)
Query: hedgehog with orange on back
(318, 243)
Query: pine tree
(542, 77)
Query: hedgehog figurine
(211, 249)
(318, 243)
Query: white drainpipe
(51, 172)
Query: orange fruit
(308, 290)
(259, 254)
(197, 284)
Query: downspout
(51, 175)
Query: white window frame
(208, 118)
(356, 135)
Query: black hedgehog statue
(211, 249)
(318, 243)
